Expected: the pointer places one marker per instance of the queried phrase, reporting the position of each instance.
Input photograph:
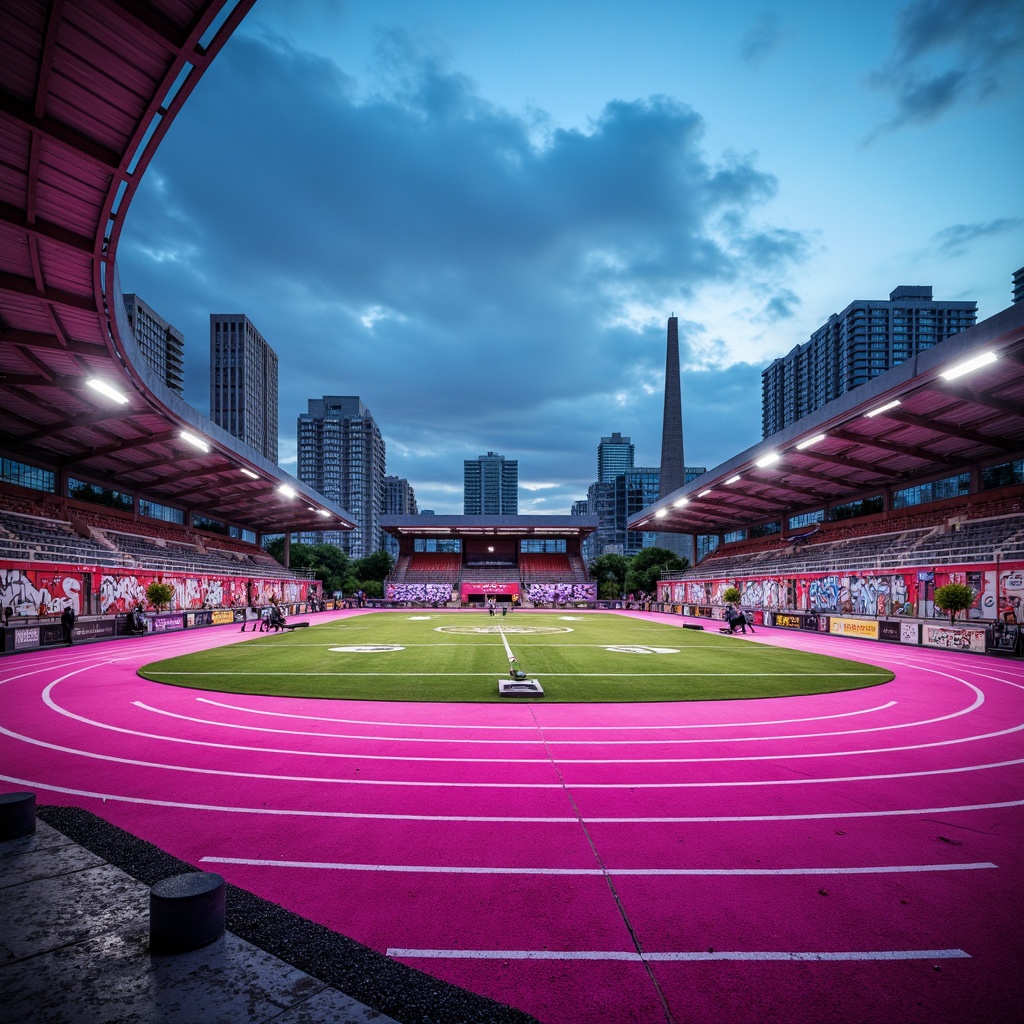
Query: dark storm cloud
(950, 53)
(958, 238)
(420, 248)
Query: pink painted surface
(564, 841)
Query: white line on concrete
(703, 955)
(645, 872)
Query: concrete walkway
(74, 934)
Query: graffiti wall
(561, 593)
(31, 592)
(879, 594)
(429, 593)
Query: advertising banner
(839, 626)
(166, 623)
(92, 630)
(910, 633)
(955, 638)
(26, 637)
(889, 631)
(787, 621)
(489, 588)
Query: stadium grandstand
(533, 561)
(108, 480)
(850, 519)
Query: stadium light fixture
(681, 502)
(196, 442)
(249, 473)
(705, 492)
(882, 408)
(288, 492)
(969, 366)
(733, 479)
(105, 389)
(323, 512)
(661, 513)
(767, 460)
(807, 442)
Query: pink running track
(851, 857)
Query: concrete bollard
(186, 912)
(17, 815)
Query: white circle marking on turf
(368, 649)
(626, 649)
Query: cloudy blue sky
(478, 217)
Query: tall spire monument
(673, 472)
(673, 469)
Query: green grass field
(460, 657)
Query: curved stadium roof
(87, 90)
(937, 427)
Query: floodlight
(809, 441)
(251, 474)
(196, 442)
(733, 479)
(882, 408)
(767, 460)
(969, 366)
(288, 492)
(681, 502)
(105, 389)
(661, 513)
(704, 492)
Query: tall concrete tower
(673, 471)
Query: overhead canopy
(489, 526)
(940, 427)
(87, 90)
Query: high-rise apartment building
(1018, 285)
(869, 337)
(162, 346)
(490, 486)
(614, 501)
(399, 500)
(243, 382)
(341, 454)
(614, 456)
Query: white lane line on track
(506, 820)
(249, 674)
(266, 776)
(703, 955)
(653, 727)
(601, 872)
(781, 756)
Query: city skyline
(487, 249)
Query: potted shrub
(954, 598)
(159, 595)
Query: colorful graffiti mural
(904, 592)
(31, 592)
